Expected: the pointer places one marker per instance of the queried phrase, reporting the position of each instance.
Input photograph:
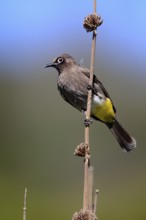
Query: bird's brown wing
(86, 72)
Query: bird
(73, 85)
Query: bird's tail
(126, 142)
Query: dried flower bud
(91, 22)
(84, 215)
(81, 150)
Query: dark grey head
(61, 62)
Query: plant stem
(86, 196)
(24, 207)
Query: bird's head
(61, 62)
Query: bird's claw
(87, 122)
(89, 87)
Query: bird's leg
(87, 122)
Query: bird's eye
(60, 60)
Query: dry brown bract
(91, 22)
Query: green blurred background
(39, 131)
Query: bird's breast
(73, 89)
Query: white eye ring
(60, 60)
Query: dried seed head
(81, 150)
(83, 215)
(91, 22)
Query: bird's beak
(50, 65)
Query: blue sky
(34, 31)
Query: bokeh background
(39, 131)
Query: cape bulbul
(72, 83)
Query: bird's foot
(87, 122)
(89, 87)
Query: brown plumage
(72, 84)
